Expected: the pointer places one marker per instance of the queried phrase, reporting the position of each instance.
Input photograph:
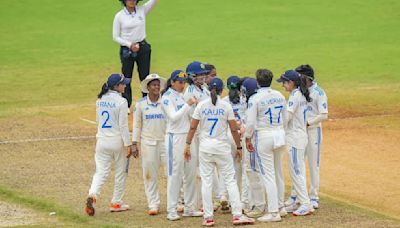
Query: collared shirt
(112, 117)
(214, 126)
(296, 133)
(149, 120)
(131, 27)
(318, 104)
(177, 112)
(266, 111)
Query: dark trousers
(142, 59)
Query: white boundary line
(88, 121)
(48, 139)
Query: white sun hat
(149, 78)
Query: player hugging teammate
(235, 144)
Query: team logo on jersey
(324, 105)
(147, 108)
(166, 102)
(290, 103)
(250, 105)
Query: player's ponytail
(104, 90)
(214, 96)
(167, 86)
(234, 96)
(302, 85)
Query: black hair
(124, 2)
(167, 86)
(104, 90)
(209, 67)
(264, 77)
(234, 95)
(190, 79)
(214, 95)
(249, 94)
(301, 83)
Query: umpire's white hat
(149, 78)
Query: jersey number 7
(215, 120)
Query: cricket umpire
(129, 31)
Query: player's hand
(238, 155)
(135, 150)
(192, 101)
(187, 154)
(135, 47)
(129, 154)
(249, 145)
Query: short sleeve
(322, 104)
(197, 113)
(231, 114)
(292, 102)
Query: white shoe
(173, 216)
(282, 212)
(290, 201)
(315, 203)
(270, 217)
(116, 207)
(291, 208)
(192, 214)
(305, 209)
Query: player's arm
(251, 118)
(235, 132)
(189, 138)
(123, 125)
(322, 105)
(169, 109)
(137, 129)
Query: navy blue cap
(233, 82)
(250, 84)
(178, 75)
(289, 75)
(196, 68)
(115, 79)
(216, 83)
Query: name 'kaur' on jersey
(213, 112)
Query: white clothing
(112, 117)
(318, 107)
(313, 156)
(296, 133)
(297, 172)
(177, 112)
(149, 120)
(131, 27)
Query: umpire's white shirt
(112, 117)
(149, 120)
(318, 104)
(296, 132)
(131, 27)
(177, 112)
(214, 126)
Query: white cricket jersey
(149, 120)
(296, 132)
(318, 104)
(177, 112)
(131, 27)
(214, 126)
(194, 91)
(238, 109)
(112, 117)
(266, 111)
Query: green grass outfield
(60, 52)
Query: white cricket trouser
(178, 169)
(312, 153)
(280, 183)
(107, 150)
(224, 164)
(153, 155)
(264, 144)
(298, 174)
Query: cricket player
(265, 122)
(296, 137)
(149, 127)
(214, 117)
(113, 142)
(178, 124)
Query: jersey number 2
(215, 120)
(106, 113)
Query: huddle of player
(235, 144)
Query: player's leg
(103, 159)
(120, 153)
(207, 168)
(313, 157)
(280, 183)
(174, 145)
(151, 164)
(190, 176)
(298, 175)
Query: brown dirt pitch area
(359, 166)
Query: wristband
(239, 148)
(188, 143)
